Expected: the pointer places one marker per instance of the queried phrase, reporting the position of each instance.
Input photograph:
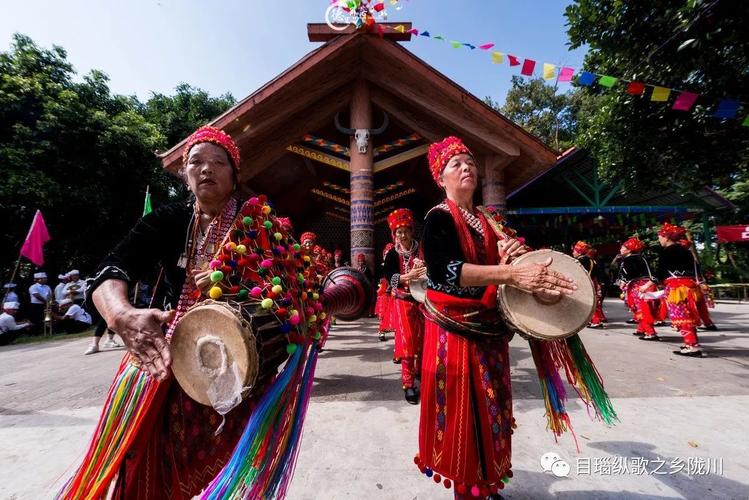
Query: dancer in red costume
(402, 265)
(636, 278)
(466, 409)
(676, 270)
(384, 301)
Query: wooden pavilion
(294, 151)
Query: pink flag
(486, 46)
(565, 74)
(513, 60)
(35, 240)
(685, 101)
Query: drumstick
(498, 228)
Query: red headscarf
(308, 236)
(440, 153)
(634, 245)
(581, 248)
(214, 136)
(401, 217)
(672, 232)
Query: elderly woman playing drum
(466, 408)
(168, 447)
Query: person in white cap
(60, 288)
(40, 293)
(75, 289)
(9, 329)
(9, 294)
(73, 318)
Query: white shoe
(92, 349)
(111, 343)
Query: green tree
(540, 110)
(698, 45)
(80, 154)
(179, 115)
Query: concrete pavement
(679, 417)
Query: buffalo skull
(362, 135)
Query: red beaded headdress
(308, 236)
(401, 217)
(441, 152)
(672, 232)
(285, 223)
(581, 247)
(215, 136)
(634, 244)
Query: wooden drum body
(552, 319)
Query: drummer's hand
(539, 279)
(509, 249)
(140, 329)
(418, 263)
(202, 279)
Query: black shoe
(638, 334)
(650, 338)
(411, 396)
(383, 338)
(659, 323)
(396, 361)
(709, 328)
(495, 496)
(597, 325)
(632, 321)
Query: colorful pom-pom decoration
(266, 303)
(215, 293)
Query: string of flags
(683, 101)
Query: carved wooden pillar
(362, 180)
(493, 182)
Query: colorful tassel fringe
(128, 402)
(550, 357)
(263, 461)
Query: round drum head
(555, 320)
(208, 339)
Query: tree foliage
(699, 45)
(80, 154)
(542, 111)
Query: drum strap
(472, 330)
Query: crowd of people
(47, 311)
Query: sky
(235, 46)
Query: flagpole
(12, 277)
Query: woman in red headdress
(466, 409)
(402, 265)
(585, 254)
(384, 300)
(636, 279)
(677, 269)
(168, 446)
